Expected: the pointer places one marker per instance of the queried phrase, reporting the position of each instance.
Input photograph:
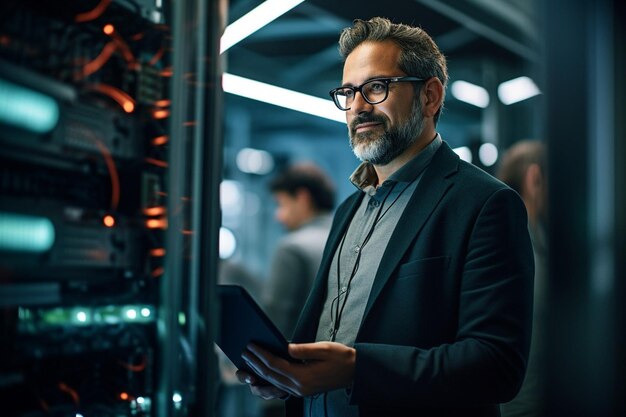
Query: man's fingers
(268, 392)
(309, 351)
(271, 368)
(300, 351)
(245, 377)
(264, 391)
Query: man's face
(290, 210)
(381, 132)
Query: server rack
(110, 163)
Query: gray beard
(392, 143)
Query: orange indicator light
(157, 252)
(108, 220)
(160, 114)
(128, 106)
(160, 140)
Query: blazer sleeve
(486, 360)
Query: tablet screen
(242, 321)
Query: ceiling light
(517, 89)
(282, 97)
(227, 243)
(488, 154)
(254, 20)
(231, 197)
(464, 153)
(255, 161)
(470, 93)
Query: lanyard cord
(339, 311)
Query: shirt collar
(365, 177)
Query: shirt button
(357, 248)
(374, 203)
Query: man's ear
(432, 96)
(533, 182)
(303, 195)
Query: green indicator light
(131, 313)
(25, 233)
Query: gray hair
(419, 56)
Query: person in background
(305, 198)
(423, 302)
(523, 168)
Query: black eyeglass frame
(386, 80)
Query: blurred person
(423, 301)
(523, 168)
(305, 198)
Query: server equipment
(109, 168)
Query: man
(305, 197)
(523, 168)
(423, 302)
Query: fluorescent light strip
(517, 89)
(23, 233)
(282, 97)
(27, 109)
(470, 93)
(255, 20)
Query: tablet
(242, 321)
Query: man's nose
(360, 105)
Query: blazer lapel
(432, 187)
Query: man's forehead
(371, 60)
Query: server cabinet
(109, 176)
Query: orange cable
(135, 368)
(68, 390)
(157, 56)
(123, 99)
(157, 162)
(115, 179)
(93, 13)
(100, 60)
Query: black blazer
(447, 326)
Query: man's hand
(321, 367)
(259, 387)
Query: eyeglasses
(374, 91)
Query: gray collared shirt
(358, 256)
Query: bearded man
(422, 305)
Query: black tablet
(242, 321)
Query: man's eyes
(376, 86)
